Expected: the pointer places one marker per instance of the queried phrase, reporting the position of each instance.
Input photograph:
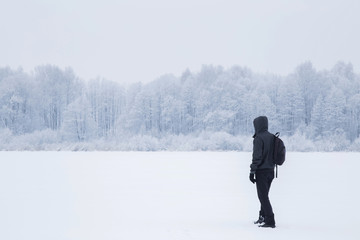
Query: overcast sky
(139, 40)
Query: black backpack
(279, 151)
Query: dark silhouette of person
(262, 170)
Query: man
(262, 169)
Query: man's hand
(252, 177)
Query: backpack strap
(276, 135)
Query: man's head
(260, 124)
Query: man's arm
(257, 154)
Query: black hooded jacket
(263, 146)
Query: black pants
(263, 183)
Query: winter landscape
(133, 120)
(170, 196)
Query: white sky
(139, 40)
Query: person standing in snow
(262, 169)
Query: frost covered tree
(317, 116)
(17, 109)
(107, 103)
(334, 112)
(56, 89)
(78, 124)
(291, 107)
(354, 117)
(308, 83)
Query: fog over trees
(51, 108)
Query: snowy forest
(53, 109)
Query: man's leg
(263, 183)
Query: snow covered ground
(174, 195)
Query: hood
(260, 124)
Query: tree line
(318, 104)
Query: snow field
(173, 195)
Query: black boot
(260, 220)
(269, 222)
(265, 225)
